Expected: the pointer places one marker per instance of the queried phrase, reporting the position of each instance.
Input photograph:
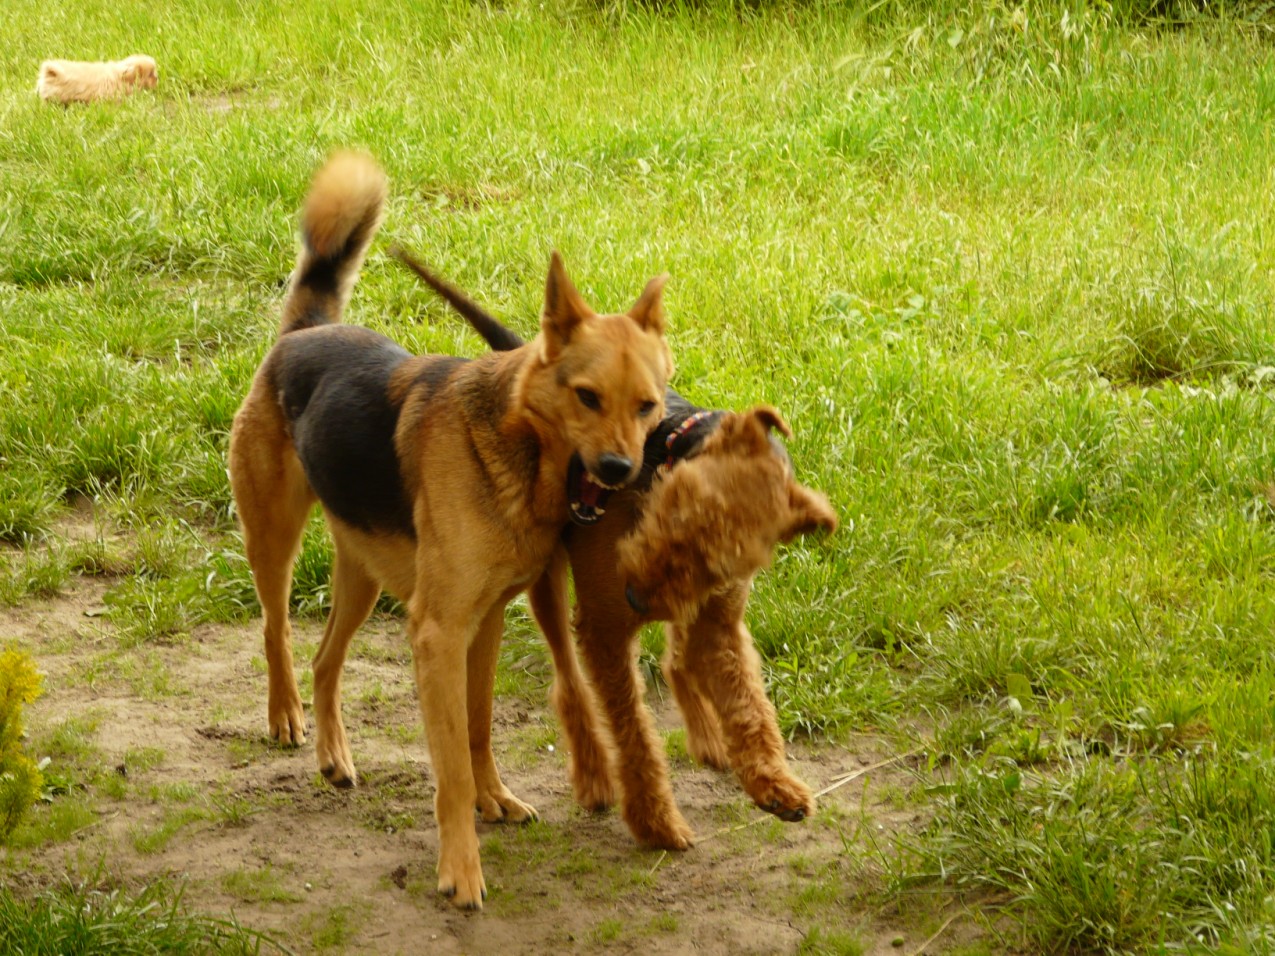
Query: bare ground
(251, 828)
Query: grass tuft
(80, 921)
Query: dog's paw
(336, 764)
(332, 751)
(663, 828)
(594, 791)
(461, 881)
(591, 778)
(498, 805)
(784, 796)
(707, 747)
(287, 723)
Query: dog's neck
(546, 482)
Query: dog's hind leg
(354, 594)
(718, 650)
(273, 499)
(494, 800)
(589, 759)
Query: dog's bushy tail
(341, 214)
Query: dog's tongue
(591, 494)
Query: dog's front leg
(494, 800)
(718, 650)
(439, 650)
(704, 737)
(607, 629)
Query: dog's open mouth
(585, 494)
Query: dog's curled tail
(341, 214)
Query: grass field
(1007, 271)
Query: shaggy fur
(444, 481)
(697, 537)
(68, 81)
(715, 520)
(707, 527)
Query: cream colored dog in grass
(67, 81)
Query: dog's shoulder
(424, 377)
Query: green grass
(1007, 272)
(80, 921)
(820, 942)
(334, 929)
(263, 885)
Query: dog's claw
(336, 778)
(501, 806)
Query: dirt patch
(188, 787)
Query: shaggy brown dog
(707, 527)
(444, 481)
(698, 536)
(67, 81)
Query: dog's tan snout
(614, 469)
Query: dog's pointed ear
(809, 511)
(51, 70)
(564, 309)
(648, 310)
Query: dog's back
(333, 383)
(71, 81)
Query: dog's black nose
(635, 600)
(614, 469)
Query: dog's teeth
(599, 511)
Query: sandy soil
(252, 829)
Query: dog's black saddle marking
(334, 390)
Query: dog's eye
(588, 398)
(645, 409)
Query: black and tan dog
(444, 481)
(682, 547)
